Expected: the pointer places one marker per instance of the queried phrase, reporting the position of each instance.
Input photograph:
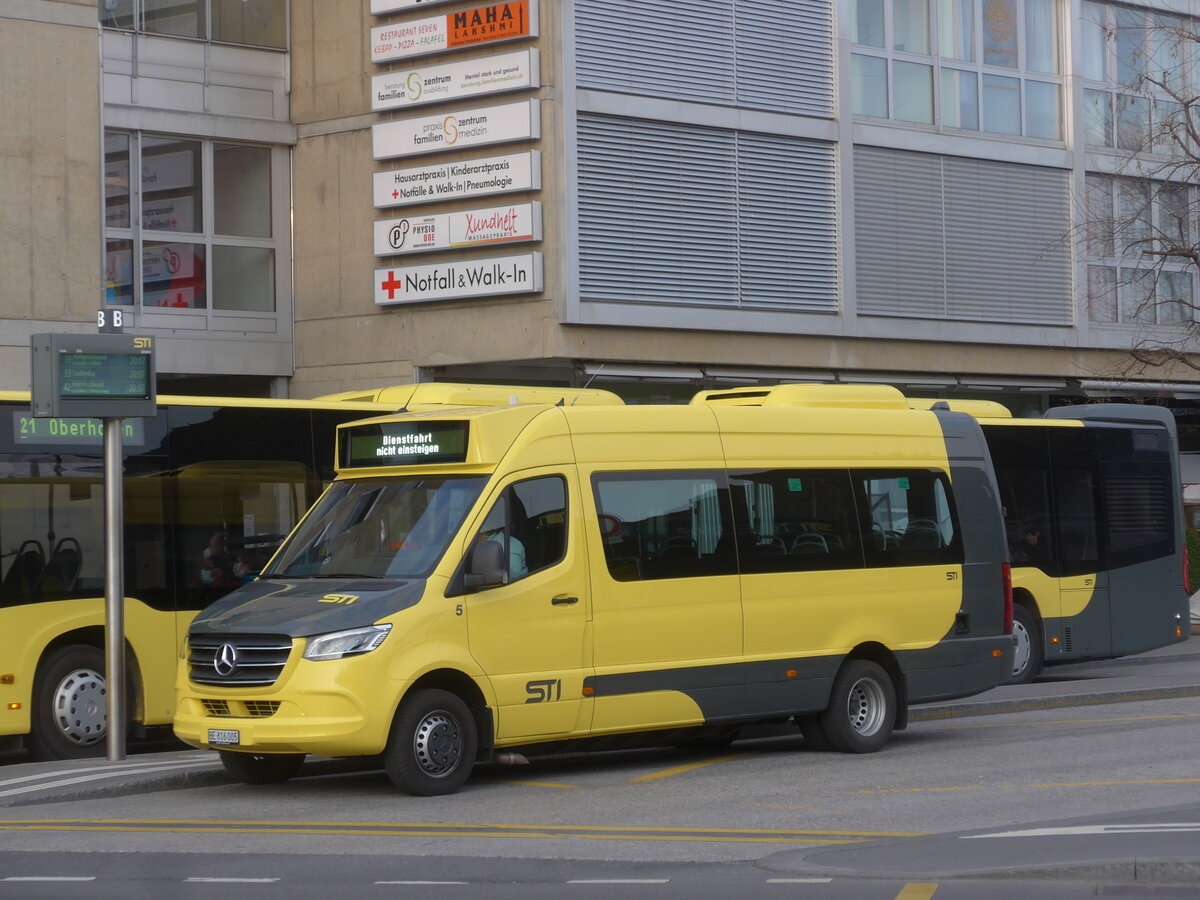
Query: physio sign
(490, 24)
(456, 81)
(510, 224)
(465, 128)
(455, 279)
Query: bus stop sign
(96, 376)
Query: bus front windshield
(378, 528)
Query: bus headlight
(339, 644)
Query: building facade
(959, 197)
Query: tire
(862, 708)
(261, 768)
(1027, 652)
(433, 743)
(69, 719)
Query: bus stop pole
(114, 588)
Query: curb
(931, 713)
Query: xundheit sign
(459, 180)
(491, 24)
(460, 278)
(510, 224)
(469, 78)
(465, 128)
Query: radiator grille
(238, 660)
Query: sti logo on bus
(345, 599)
(543, 691)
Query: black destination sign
(402, 444)
(104, 376)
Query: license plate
(224, 736)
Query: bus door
(528, 635)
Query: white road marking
(1151, 828)
(96, 775)
(799, 880)
(200, 880)
(50, 878)
(619, 881)
(422, 882)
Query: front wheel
(862, 708)
(69, 719)
(1027, 649)
(432, 747)
(261, 768)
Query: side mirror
(485, 565)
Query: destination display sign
(463, 128)
(459, 180)
(459, 278)
(72, 431)
(455, 81)
(402, 444)
(104, 376)
(510, 224)
(491, 24)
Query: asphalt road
(1087, 777)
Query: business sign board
(492, 24)
(455, 81)
(511, 224)
(459, 180)
(382, 7)
(518, 121)
(457, 279)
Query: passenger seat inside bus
(62, 569)
(24, 576)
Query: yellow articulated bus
(543, 576)
(212, 485)
(1093, 510)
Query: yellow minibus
(534, 576)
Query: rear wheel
(1027, 649)
(862, 708)
(69, 719)
(432, 747)
(261, 768)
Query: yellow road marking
(690, 767)
(917, 892)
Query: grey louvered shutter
(658, 48)
(785, 56)
(898, 233)
(787, 231)
(656, 211)
(1007, 254)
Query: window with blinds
(681, 214)
(767, 54)
(959, 239)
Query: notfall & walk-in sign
(460, 278)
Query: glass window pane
(914, 92)
(1097, 118)
(244, 278)
(868, 85)
(118, 272)
(172, 198)
(1131, 44)
(1172, 221)
(1165, 64)
(1041, 35)
(1000, 34)
(1175, 297)
(242, 190)
(1001, 104)
(1133, 122)
(960, 100)
(866, 23)
(910, 22)
(956, 21)
(116, 14)
(1098, 194)
(116, 180)
(181, 18)
(1094, 37)
(173, 275)
(1102, 293)
(260, 23)
(1133, 233)
(1043, 115)
(1169, 134)
(1135, 295)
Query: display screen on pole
(98, 376)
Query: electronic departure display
(94, 376)
(402, 444)
(104, 375)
